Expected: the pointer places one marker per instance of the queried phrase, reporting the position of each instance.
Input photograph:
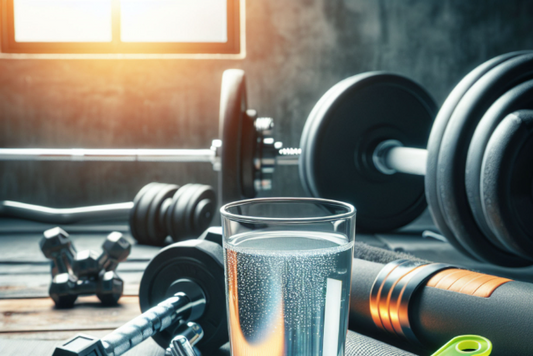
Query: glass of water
(288, 264)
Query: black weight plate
(248, 149)
(157, 232)
(143, 208)
(133, 216)
(172, 227)
(310, 125)
(180, 230)
(232, 114)
(507, 182)
(170, 211)
(201, 262)
(343, 131)
(453, 151)
(206, 196)
(519, 97)
(435, 139)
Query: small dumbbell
(115, 249)
(86, 272)
(56, 245)
(65, 288)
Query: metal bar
(144, 326)
(407, 160)
(66, 215)
(390, 157)
(112, 155)
(288, 156)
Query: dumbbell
(56, 246)
(157, 211)
(85, 272)
(65, 288)
(115, 249)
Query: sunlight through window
(62, 20)
(173, 21)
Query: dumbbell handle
(64, 215)
(390, 157)
(147, 324)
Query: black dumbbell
(86, 272)
(56, 245)
(65, 288)
(115, 249)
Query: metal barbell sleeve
(391, 156)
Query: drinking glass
(288, 264)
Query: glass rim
(351, 210)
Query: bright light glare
(173, 21)
(62, 20)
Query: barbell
(157, 211)
(368, 128)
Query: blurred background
(295, 51)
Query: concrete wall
(296, 50)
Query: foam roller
(421, 305)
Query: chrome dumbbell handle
(146, 325)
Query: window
(121, 26)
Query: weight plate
(201, 262)
(519, 97)
(453, 151)
(248, 149)
(232, 114)
(156, 228)
(179, 217)
(341, 135)
(173, 226)
(142, 218)
(507, 182)
(435, 139)
(169, 218)
(200, 210)
(134, 217)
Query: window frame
(117, 47)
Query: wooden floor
(31, 325)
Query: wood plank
(39, 314)
(36, 286)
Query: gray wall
(296, 49)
